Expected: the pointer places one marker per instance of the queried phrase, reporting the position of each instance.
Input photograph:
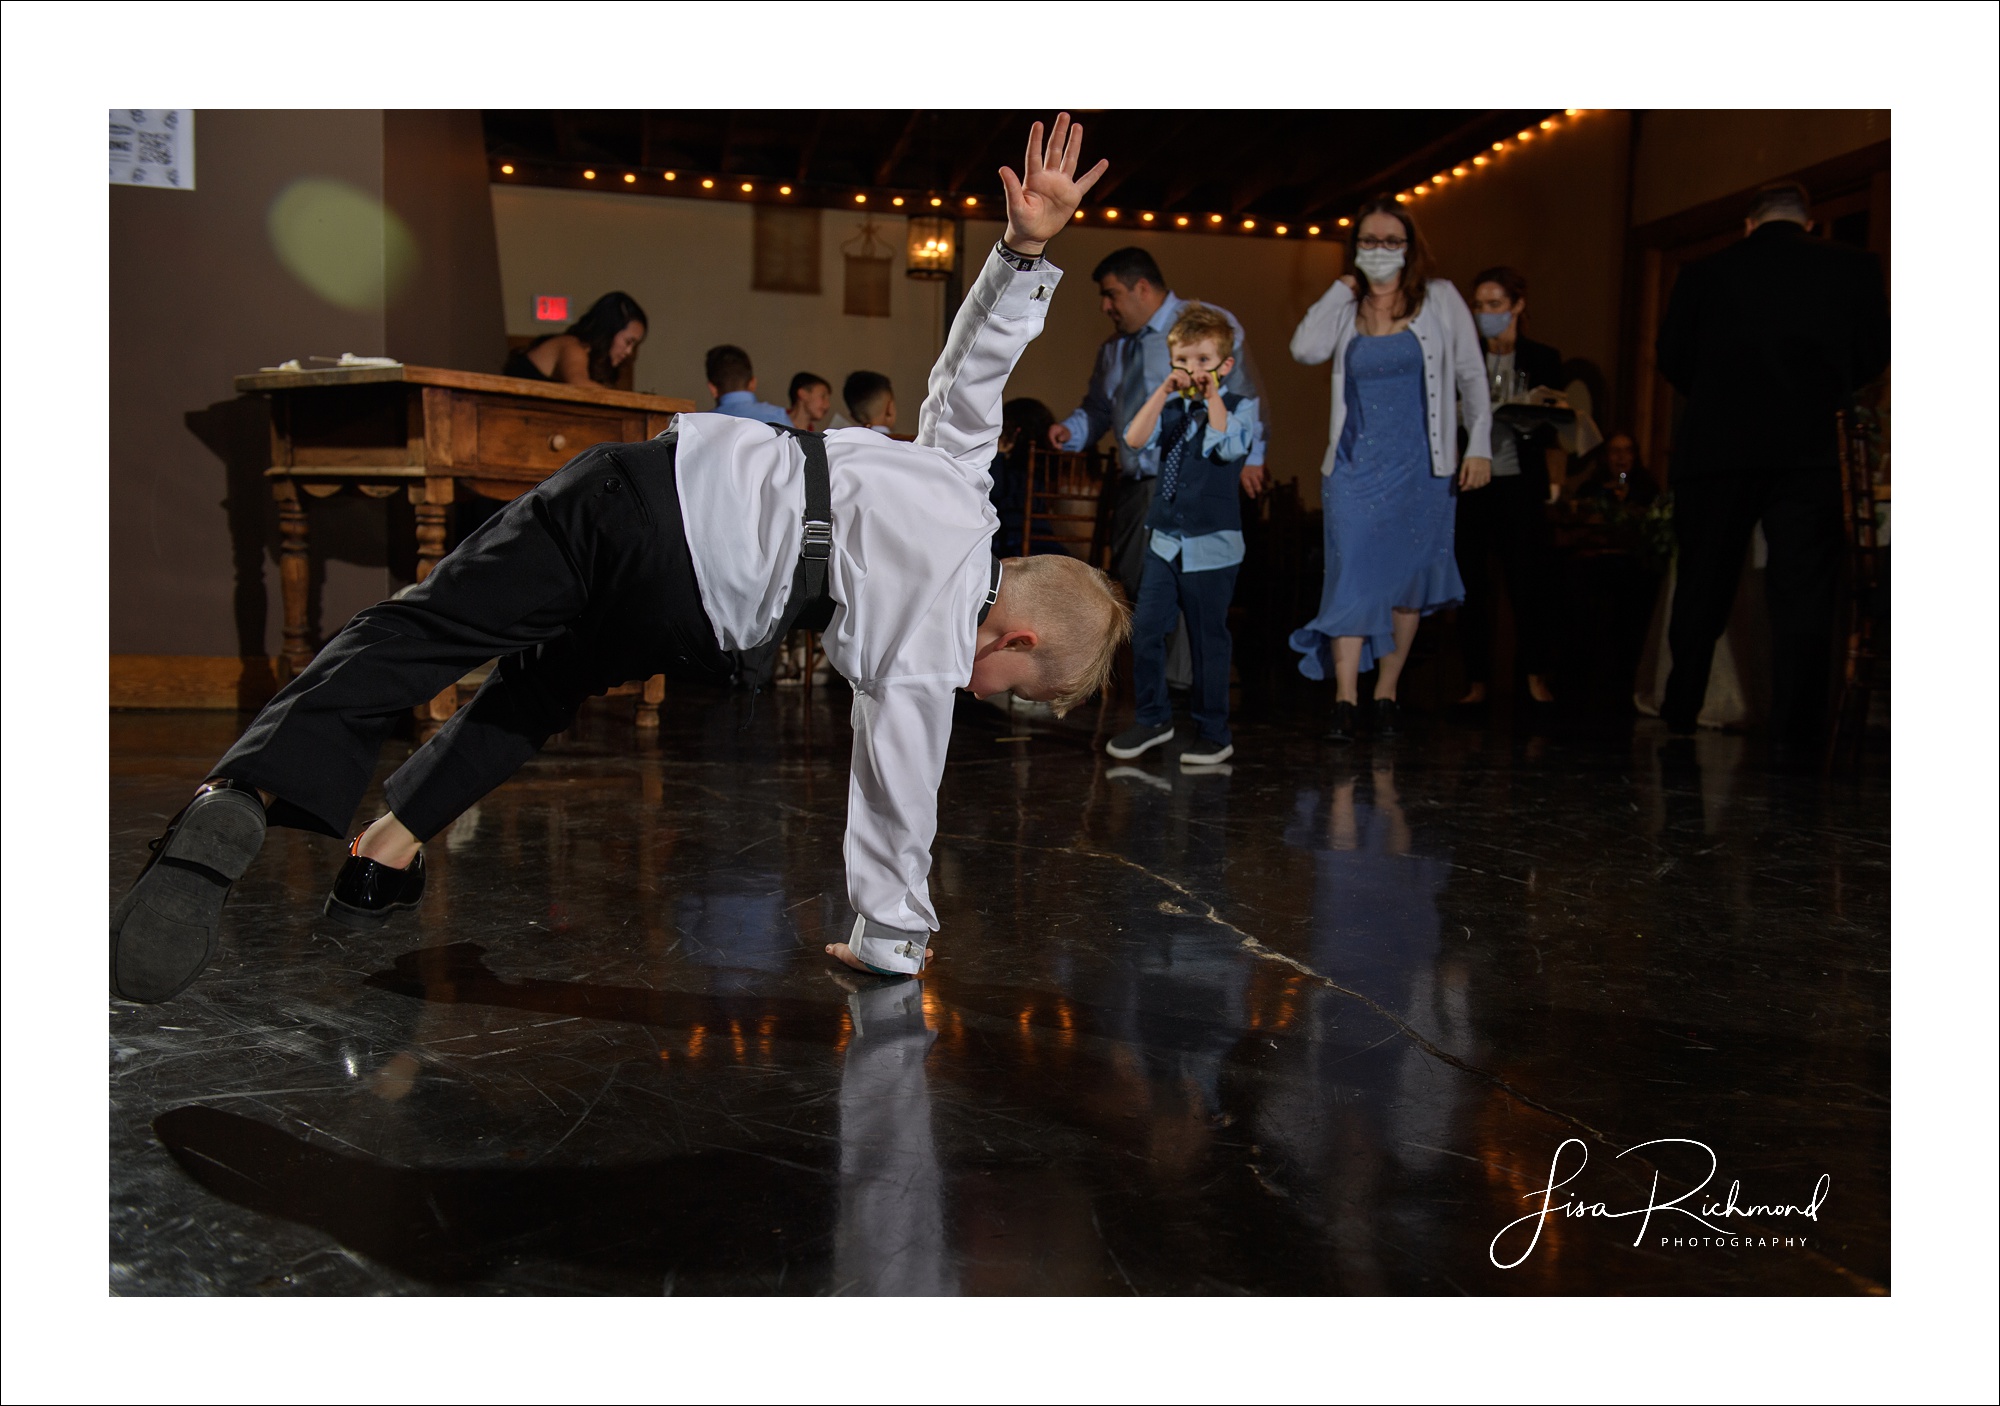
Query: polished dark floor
(1319, 1023)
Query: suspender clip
(818, 544)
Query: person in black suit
(1510, 519)
(1766, 339)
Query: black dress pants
(1507, 519)
(581, 583)
(1713, 519)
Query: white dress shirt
(910, 568)
(1452, 358)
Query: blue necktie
(1178, 434)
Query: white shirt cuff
(891, 951)
(1015, 295)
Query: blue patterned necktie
(1177, 434)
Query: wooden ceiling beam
(809, 147)
(1288, 161)
(1140, 159)
(976, 155)
(728, 152)
(901, 146)
(1452, 146)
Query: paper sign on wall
(153, 146)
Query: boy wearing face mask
(1509, 521)
(1203, 433)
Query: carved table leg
(294, 577)
(651, 694)
(432, 502)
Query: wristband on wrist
(1015, 258)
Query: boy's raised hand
(1041, 200)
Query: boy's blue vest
(1206, 500)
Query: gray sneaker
(1139, 739)
(1206, 753)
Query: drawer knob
(557, 441)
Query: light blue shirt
(1112, 400)
(1209, 552)
(744, 405)
(1212, 550)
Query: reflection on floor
(1321, 1021)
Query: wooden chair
(1860, 667)
(1065, 504)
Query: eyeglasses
(1368, 242)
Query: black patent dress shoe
(1342, 730)
(366, 894)
(163, 931)
(1388, 716)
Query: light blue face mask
(1492, 324)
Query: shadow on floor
(765, 1206)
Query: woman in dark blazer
(1509, 521)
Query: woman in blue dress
(1406, 360)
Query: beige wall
(199, 297)
(688, 264)
(1555, 210)
(434, 178)
(1687, 156)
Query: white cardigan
(1450, 341)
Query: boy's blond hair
(1199, 322)
(1080, 617)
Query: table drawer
(511, 437)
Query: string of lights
(662, 181)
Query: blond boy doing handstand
(668, 556)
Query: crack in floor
(1257, 949)
(1208, 912)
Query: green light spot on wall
(342, 243)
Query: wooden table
(426, 431)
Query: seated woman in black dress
(590, 352)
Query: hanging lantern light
(933, 251)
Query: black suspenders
(811, 605)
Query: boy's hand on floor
(1042, 198)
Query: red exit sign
(551, 309)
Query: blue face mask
(1492, 324)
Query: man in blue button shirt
(1135, 296)
(734, 385)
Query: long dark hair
(1416, 269)
(608, 316)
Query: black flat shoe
(366, 894)
(163, 930)
(1342, 730)
(1387, 716)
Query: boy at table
(637, 559)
